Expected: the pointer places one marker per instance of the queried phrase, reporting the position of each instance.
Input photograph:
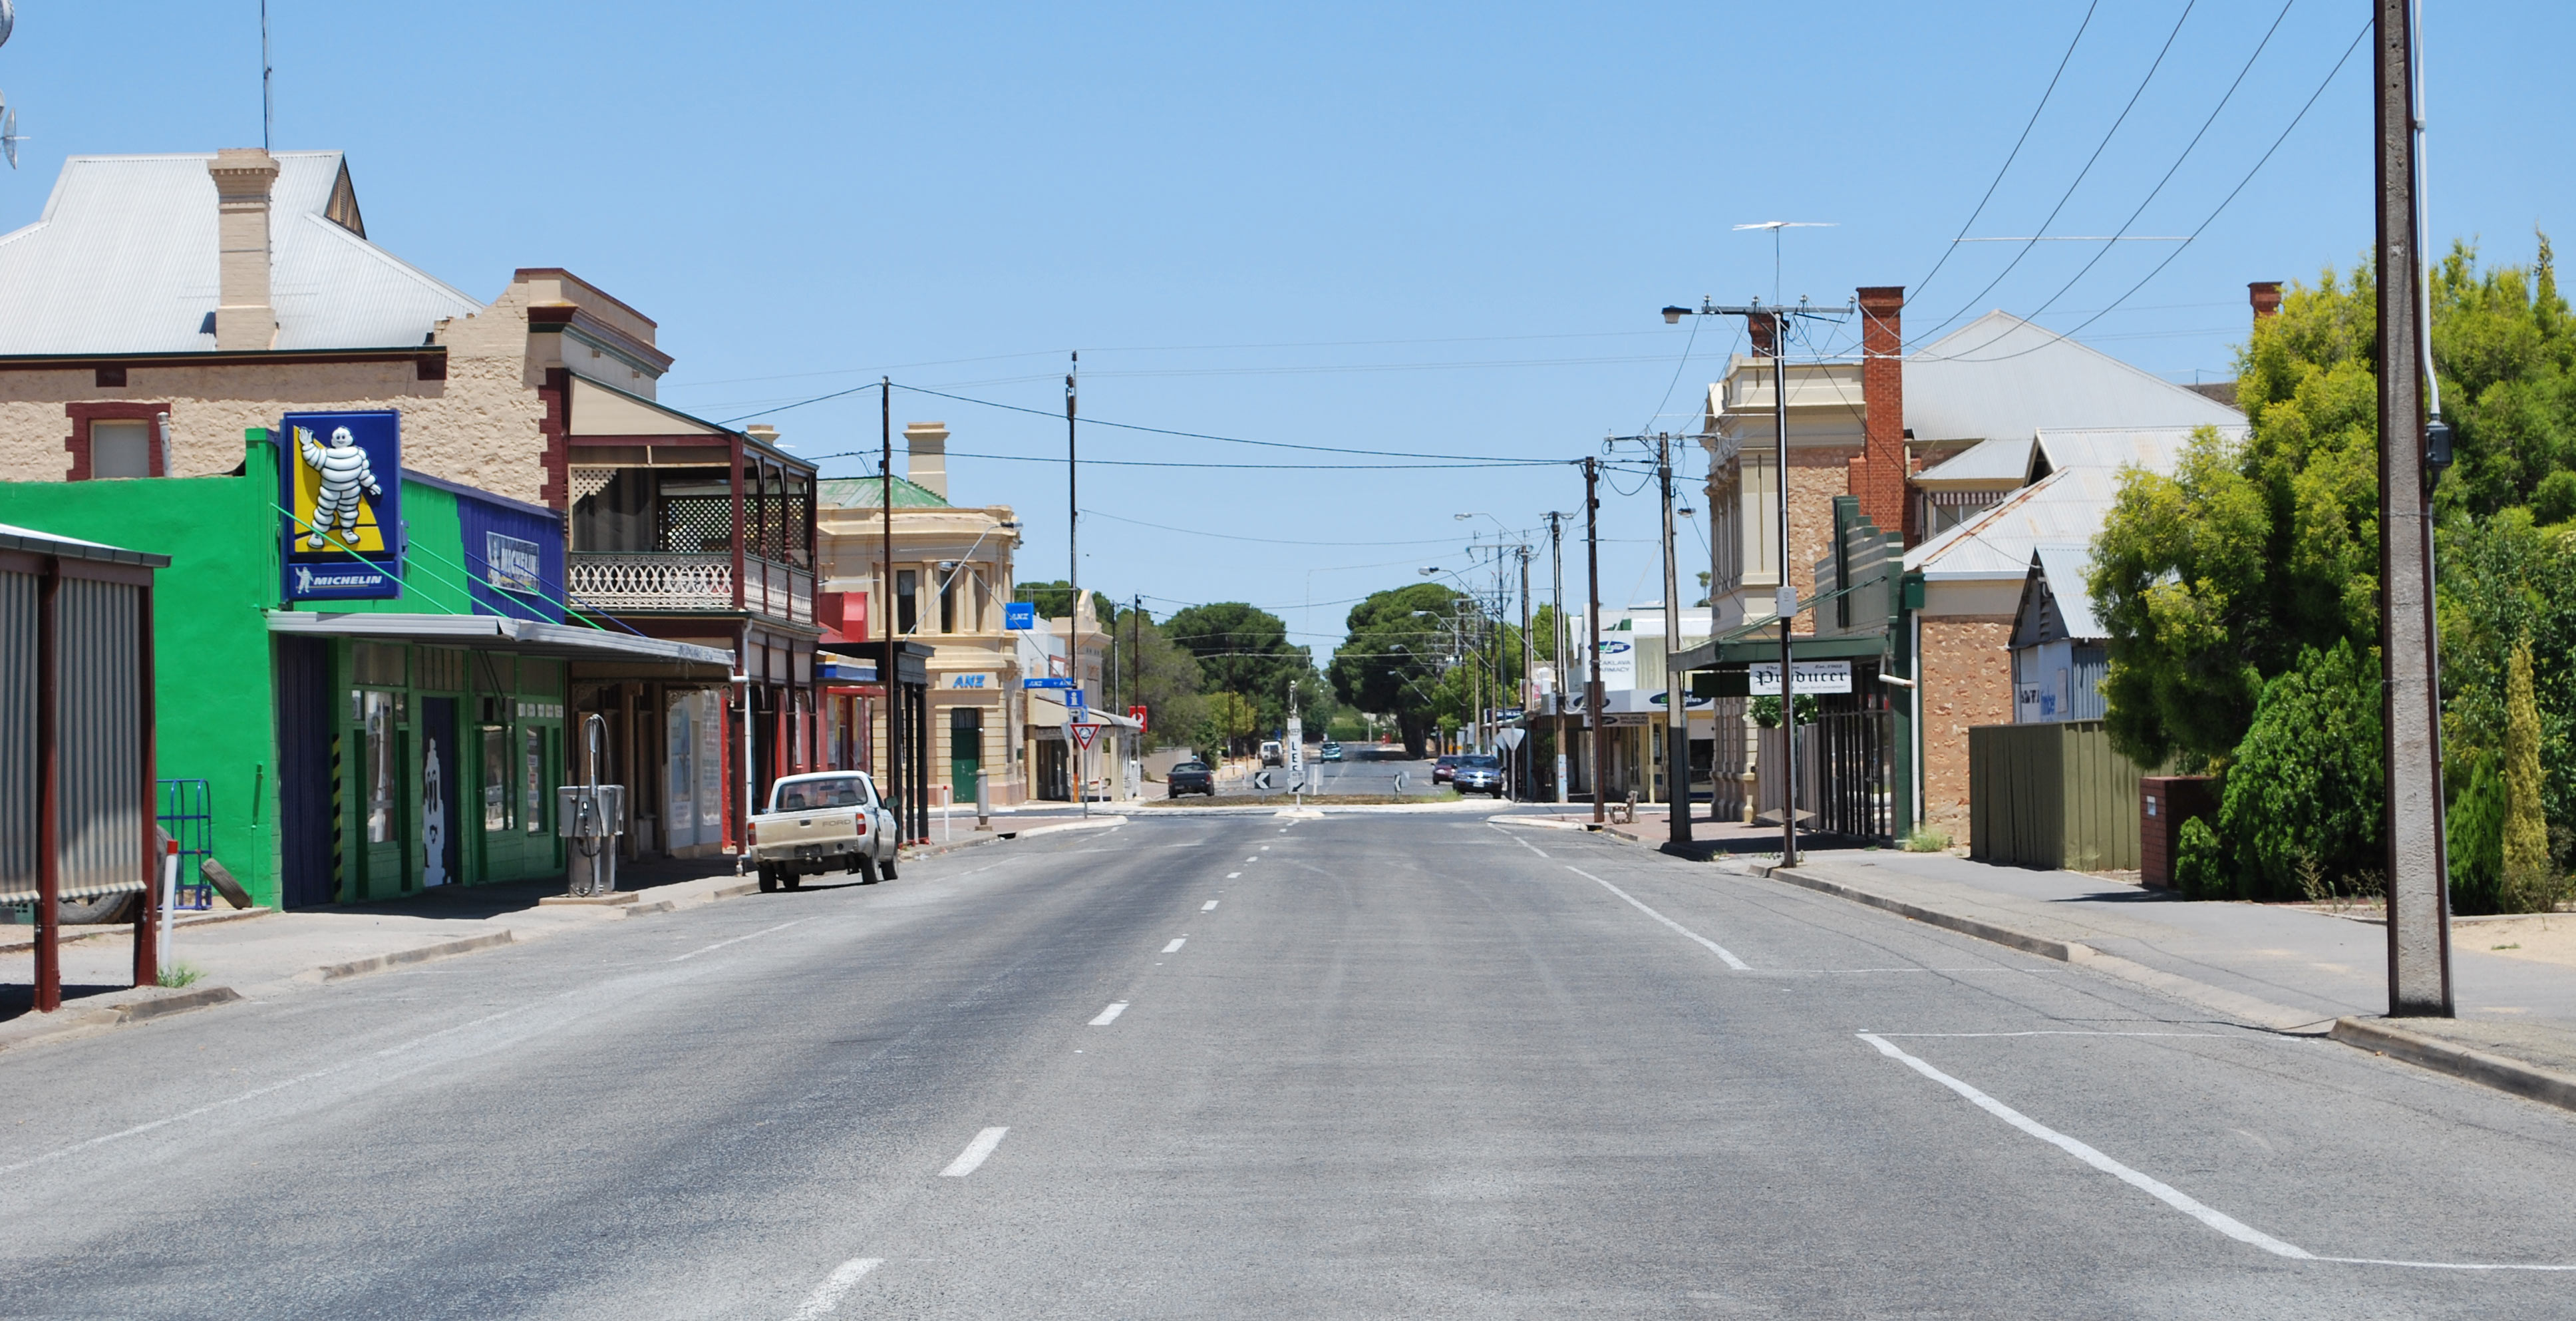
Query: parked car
(1443, 768)
(1190, 777)
(832, 821)
(1271, 755)
(1478, 774)
(1332, 751)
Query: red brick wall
(1880, 482)
(1816, 476)
(1967, 680)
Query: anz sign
(970, 681)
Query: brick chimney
(927, 442)
(1760, 328)
(2266, 297)
(245, 317)
(1880, 482)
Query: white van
(1270, 754)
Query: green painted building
(356, 750)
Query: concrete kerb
(2506, 1075)
(403, 957)
(2375, 1035)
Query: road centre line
(1175, 946)
(827, 1295)
(738, 939)
(2070, 1032)
(1208, 907)
(975, 1154)
(1232, 874)
(2161, 1191)
(1719, 950)
(1110, 1014)
(1520, 841)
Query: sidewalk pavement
(260, 953)
(2291, 969)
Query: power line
(1457, 460)
(1272, 541)
(2205, 223)
(2013, 155)
(2080, 175)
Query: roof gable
(123, 260)
(2001, 376)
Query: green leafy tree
(2504, 345)
(2530, 882)
(1162, 677)
(2504, 584)
(1392, 660)
(2214, 581)
(2307, 782)
(2474, 833)
(1245, 651)
(1055, 600)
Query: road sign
(1510, 738)
(1261, 780)
(1137, 714)
(1297, 755)
(1051, 682)
(1083, 734)
(1020, 614)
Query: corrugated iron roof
(123, 260)
(869, 493)
(2156, 449)
(2002, 377)
(2066, 506)
(2063, 566)
(2002, 459)
(34, 542)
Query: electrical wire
(1270, 541)
(2080, 175)
(2011, 156)
(1462, 460)
(2185, 245)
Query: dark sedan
(1478, 774)
(1190, 777)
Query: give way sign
(1083, 734)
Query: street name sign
(1053, 682)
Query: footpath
(2290, 969)
(261, 954)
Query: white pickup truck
(829, 821)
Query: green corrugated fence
(2051, 795)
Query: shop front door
(965, 751)
(441, 829)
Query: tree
(1392, 658)
(2214, 581)
(2530, 882)
(2308, 780)
(2504, 346)
(1162, 677)
(1055, 600)
(1245, 651)
(2507, 585)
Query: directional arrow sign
(1083, 735)
(1261, 779)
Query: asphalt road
(1392, 1065)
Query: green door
(965, 750)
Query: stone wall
(1967, 680)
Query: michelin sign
(343, 479)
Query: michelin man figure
(345, 472)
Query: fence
(2051, 795)
(187, 814)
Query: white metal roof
(2000, 376)
(2002, 459)
(2156, 449)
(2066, 506)
(2063, 566)
(123, 260)
(527, 635)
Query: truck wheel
(795, 879)
(867, 870)
(886, 869)
(768, 880)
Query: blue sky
(1428, 228)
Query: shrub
(2554, 501)
(2476, 828)
(2307, 780)
(2197, 867)
(1927, 839)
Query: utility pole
(1677, 799)
(1592, 694)
(1135, 650)
(1775, 320)
(1556, 640)
(885, 605)
(1073, 575)
(1524, 691)
(2419, 918)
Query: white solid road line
(1232, 874)
(1719, 950)
(1110, 1014)
(1175, 946)
(827, 1295)
(1208, 907)
(2158, 1189)
(974, 1154)
(738, 939)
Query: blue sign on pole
(1050, 683)
(1020, 614)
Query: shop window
(496, 778)
(378, 714)
(532, 757)
(948, 606)
(907, 605)
(117, 440)
(379, 664)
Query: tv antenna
(8, 19)
(10, 137)
(1775, 226)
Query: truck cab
(824, 822)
